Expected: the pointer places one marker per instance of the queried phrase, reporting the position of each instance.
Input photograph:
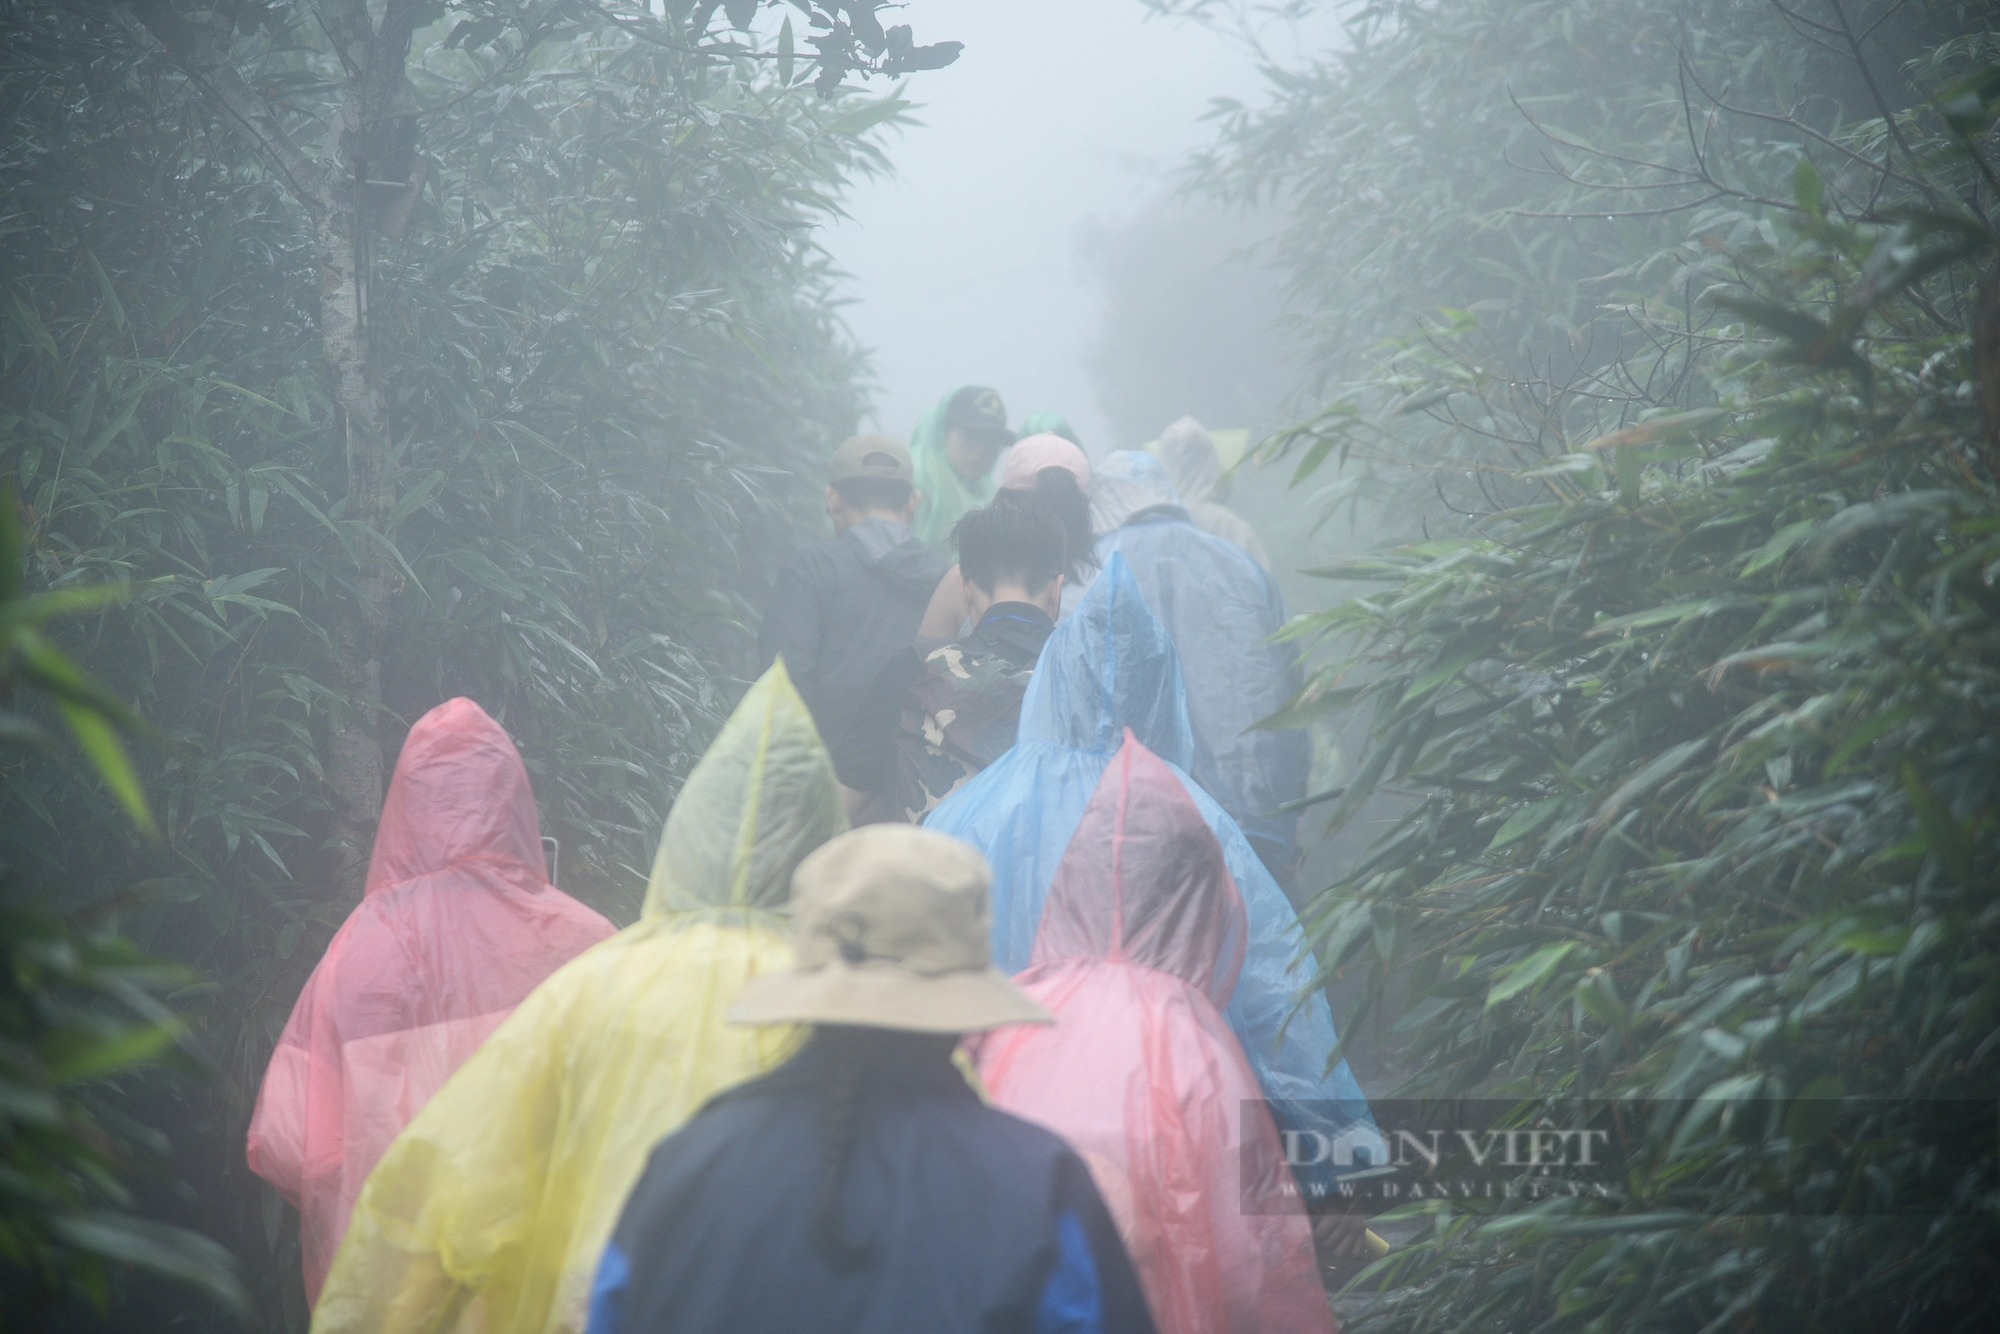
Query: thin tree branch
(1802, 19)
(192, 48)
(1556, 170)
(1791, 121)
(636, 27)
(1608, 214)
(1701, 156)
(1883, 18)
(1553, 137)
(1801, 28)
(1881, 102)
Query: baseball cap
(877, 456)
(1024, 462)
(978, 412)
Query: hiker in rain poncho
(499, 1198)
(1189, 452)
(1138, 950)
(1048, 423)
(862, 1187)
(1221, 610)
(953, 447)
(1046, 472)
(1108, 668)
(457, 923)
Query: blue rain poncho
(1221, 609)
(1108, 668)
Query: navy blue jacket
(974, 1220)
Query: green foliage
(604, 338)
(1701, 755)
(78, 1006)
(28, 658)
(1487, 205)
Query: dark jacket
(974, 1220)
(942, 710)
(840, 611)
(961, 706)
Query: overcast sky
(964, 263)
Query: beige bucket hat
(891, 927)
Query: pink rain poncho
(457, 925)
(1136, 956)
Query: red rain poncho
(457, 925)
(1136, 956)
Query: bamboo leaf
(1948, 839)
(1517, 978)
(1649, 777)
(106, 290)
(101, 745)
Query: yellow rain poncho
(490, 1210)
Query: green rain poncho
(947, 497)
(489, 1212)
(1048, 423)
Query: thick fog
(1030, 232)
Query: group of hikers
(966, 993)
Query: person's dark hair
(1056, 493)
(874, 493)
(843, 1100)
(1010, 540)
(853, 1056)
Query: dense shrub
(1693, 715)
(601, 337)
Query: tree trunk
(354, 753)
(373, 144)
(372, 140)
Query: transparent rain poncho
(1139, 948)
(493, 1207)
(1188, 451)
(1107, 668)
(1221, 609)
(457, 923)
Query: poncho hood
(947, 497)
(1109, 668)
(1192, 463)
(761, 799)
(1048, 423)
(1144, 882)
(460, 793)
(1126, 484)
